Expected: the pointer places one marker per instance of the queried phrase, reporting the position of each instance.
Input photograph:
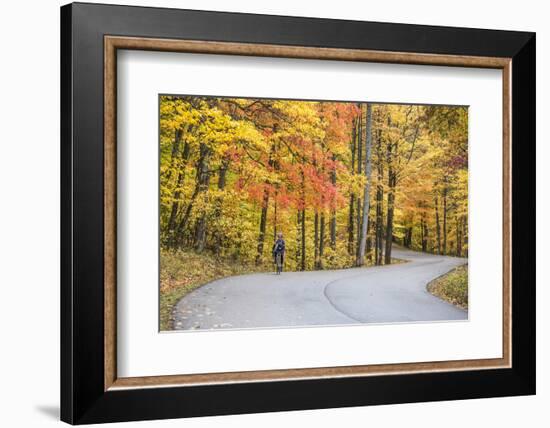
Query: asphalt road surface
(382, 294)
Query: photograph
(261, 211)
(279, 213)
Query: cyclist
(278, 251)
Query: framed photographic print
(265, 213)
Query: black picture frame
(83, 398)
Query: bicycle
(279, 262)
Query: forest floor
(381, 294)
(452, 287)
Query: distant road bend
(381, 294)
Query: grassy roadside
(452, 287)
(184, 271)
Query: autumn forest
(344, 182)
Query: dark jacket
(279, 247)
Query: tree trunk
(351, 218)
(351, 223)
(263, 224)
(445, 221)
(298, 238)
(465, 235)
(175, 149)
(458, 221)
(222, 178)
(359, 172)
(368, 250)
(379, 204)
(379, 226)
(263, 214)
(178, 235)
(177, 194)
(424, 233)
(389, 220)
(391, 198)
(333, 230)
(180, 230)
(333, 210)
(275, 218)
(321, 239)
(407, 238)
(303, 254)
(437, 226)
(316, 241)
(426, 237)
(358, 226)
(366, 194)
(203, 184)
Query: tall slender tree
(366, 193)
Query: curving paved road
(381, 294)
